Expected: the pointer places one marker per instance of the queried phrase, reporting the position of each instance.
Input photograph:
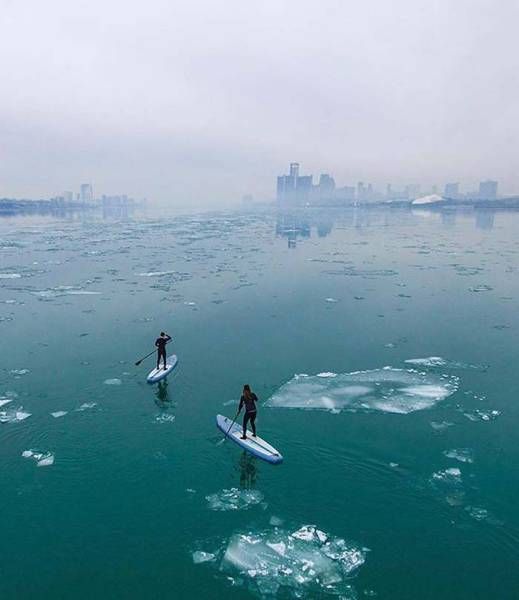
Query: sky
(200, 102)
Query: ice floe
(482, 415)
(463, 455)
(449, 482)
(306, 563)
(234, 499)
(86, 406)
(438, 361)
(114, 381)
(200, 557)
(388, 390)
(13, 415)
(43, 459)
(59, 413)
(165, 418)
(441, 425)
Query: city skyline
(193, 103)
(295, 188)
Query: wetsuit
(161, 342)
(250, 412)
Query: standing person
(248, 399)
(161, 342)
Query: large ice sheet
(388, 390)
(306, 563)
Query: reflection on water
(248, 471)
(161, 393)
(298, 224)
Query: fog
(200, 102)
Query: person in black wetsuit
(248, 399)
(161, 342)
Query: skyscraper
(452, 190)
(86, 193)
(488, 190)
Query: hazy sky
(203, 101)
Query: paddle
(230, 427)
(139, 361)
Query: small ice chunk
(165, 418)
(86, 406)
(276, 521)
(234, 499)
(43, 459)
(59, 413)
(201, 557)
(440, 425)
(464, 455)
(114, 381)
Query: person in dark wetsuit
(248, 400)
(161, 342)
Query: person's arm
(169, 337)
(157, 343)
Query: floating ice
(234, 499)
(304, 564)
(13, 415)
(482, 415)
(201, 557)
(86, 406)
(4, 400)
(387, 390)
(19, 371)
(441, 425)
(481, 288)
(113, 381)
(165, 418)
(156, 273)
(438, 361)
(431, 361)
(449, 482)
(331, 300)
(10, 275)
(464, 455)
(43, 459)
(59, 413)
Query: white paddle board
(254, 445)
(161, 372)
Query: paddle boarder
(248, 400)
(160, 343)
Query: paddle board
(254, 445)
(161, 372)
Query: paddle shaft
(230, 426)
(147, 355)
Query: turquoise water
(409, 474)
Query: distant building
(293, 189)
(326, 188)
(452, 190)
(488, 190)
(247, 200)
(86, 194)
(68, 196)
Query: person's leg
(246, 417)
(253, 423)
(158, 358)
(164, 357)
